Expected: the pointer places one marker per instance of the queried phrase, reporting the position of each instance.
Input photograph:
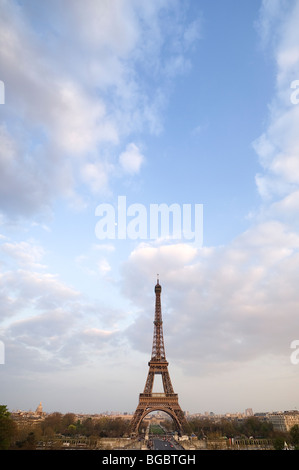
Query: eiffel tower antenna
(167, 401)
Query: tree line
(69, 425)
(252, 426)
(58, 424)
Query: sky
(112, 109)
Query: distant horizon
(130, 413)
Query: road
(167, 444)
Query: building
(39, 410)
(284, 421)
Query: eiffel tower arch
(158, 365)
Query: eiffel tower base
(167, 402)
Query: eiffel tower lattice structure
(167, 401)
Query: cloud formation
(225, 304)
(73, 94)
(277, 147)
(78, 100)
(238, 303)
(131, 159)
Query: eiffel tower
(167, 401)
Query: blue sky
(174, 102)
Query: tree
(52, 424)
(228, 428)
(7, 428)
(29, 443)
(294, 435)
(67, 420)
(71, 430)
(278, 443)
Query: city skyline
(127, 107)
(128, 414)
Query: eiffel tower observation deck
(158, 365)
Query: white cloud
(288, 206)
(25, 253)
(40, 313)
(278, 147)
(96, 175)
(103, 247)
(131, 159)
(271, 14)
(79, 121)
(222, 306)
(104, 266)
(44, 321)
(73, 93)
